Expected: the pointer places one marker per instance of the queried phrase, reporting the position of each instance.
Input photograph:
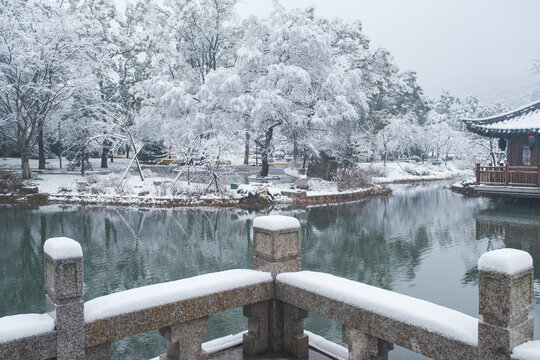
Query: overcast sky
(480, 47)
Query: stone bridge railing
(275, 299)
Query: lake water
(422, 241)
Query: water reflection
(423, 241)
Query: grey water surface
(422, 241)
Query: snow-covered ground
(53, 165)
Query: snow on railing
(347, 301)
(147, 297)
(276, 296)
(16, 327)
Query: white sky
(479, 47)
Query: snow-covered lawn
(53, 165)
(107, 188)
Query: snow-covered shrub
(194, 189)
(416, 170)
(259, 192)
(9, 183)
(354, 178)
(91, 179)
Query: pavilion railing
(508, 175)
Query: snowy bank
(395, 172)
(161, 190)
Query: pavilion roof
(525, 120)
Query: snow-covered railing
(374, 319)
(75, 330)
(180, 309)
(276, 297)
(370, 314)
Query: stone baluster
(365, 347)
(295, 342)
(256, 339)
(64, 285)
(505, 285)
(184, 340)
(273, 325)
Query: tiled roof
(525, 120)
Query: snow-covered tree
(202, 33)
(43, 61)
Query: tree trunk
(25, 164)
(127, 151)
(246, 149)
(295, 149)
(83, 155)
(264, 150)
(265, 166)
(61, 150)
(41, 147)
(104, 154)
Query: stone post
(363, 346)
(505, 285)
(184, 340)
(273, 325)
(64, 284)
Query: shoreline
(60, 189)
(294, 199)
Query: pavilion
(517, 131)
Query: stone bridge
(276, 296)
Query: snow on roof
(276, 222)
(62, 248)
(505, 261)
(169, 292)
(24, 325)
(429, 316)
(522, 120)
(527, 351)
